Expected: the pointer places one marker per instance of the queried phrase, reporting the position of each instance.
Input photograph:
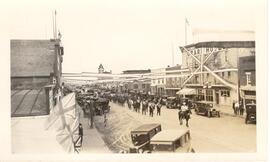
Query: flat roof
(169, 135)
(222, 44)
(145, 127)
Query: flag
(64, 118)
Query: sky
(126, 34)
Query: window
(229, 73)
(225, 93)
(207, 75)
(200, 94)
(209, 95)
(248, 74)
(222, 74)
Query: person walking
(158, 108)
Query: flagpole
(185, 31)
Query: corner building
(213, 69)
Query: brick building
(213, 69)
(36, 67)
(247, 79)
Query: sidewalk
(92, 141)
(228, 111)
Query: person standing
(91, 114)
(233, 106)
(237, 108)
(241, 108)
(81, 134)
(151, 109)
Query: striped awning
(186, 91)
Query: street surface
(226, 134)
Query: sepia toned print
(193, 92)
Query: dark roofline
(137, 71)
(31, 40)
(222, 44)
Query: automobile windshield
(138, 139)
(162, 147)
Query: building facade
(173, 79)
(36, 67)
(136, 85)
(158, 82)
(247, 79)
(213, 69)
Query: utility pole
(186, 24)
(172, 46)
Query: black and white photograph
(137, 79)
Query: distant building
(36, 67)
(213, 69)
(158, 83)
(247, 79)
(138, 86)
(100, 69)
(173, 80)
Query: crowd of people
(152, 106)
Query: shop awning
(186, 91)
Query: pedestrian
(237, 108)
(91, 114)
(233, 106)
(151, 109)
(80, 134)
(184, 113)
(158, 108)
(241, 108)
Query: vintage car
(141, 136)
(206, 108)
(171, 103)
(251, 113)
(101, 106)
(168, 141)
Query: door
(217, 97)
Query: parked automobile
(168, 141)
(141, 136)
(171, 103)
(205, 108)
(251, 113)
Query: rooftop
(28, 103)
(146, 127)
(222, 44)
(168, 135)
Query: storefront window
(209, 95)
(225, 93)
(200, 94)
